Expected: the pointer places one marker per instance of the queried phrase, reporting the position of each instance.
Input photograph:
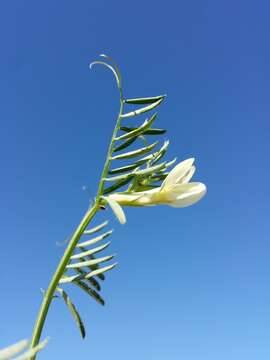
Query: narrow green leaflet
(90, 291)
(69, 279)
(151, 131)
(90, 252)
(161, 152)
(97, 272)
(125, 144)
(135, 153)
(73, 311)
(96, 228)
(170, 163)
(150, 170)
(92, 281)
(157, 177)
(117, 185)
(90, 262)
(147, 100)
(161, 175)
(100, 271)
(128, 167)
(142, 172)
(94, 240)
(143, 109)
(155, 131)
(93, 267)
(153, 158)
(119, 177)
(140, 130)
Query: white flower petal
(194, 192)
(145, 200)
(178, 172)
(142, 198)
(172, 192)
(188, 176)
(116, 208)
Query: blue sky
(191, 283)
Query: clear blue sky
(192, 283)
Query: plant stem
(48, 296)
(110, 149)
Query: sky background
(191, 283)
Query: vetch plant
(134, 174)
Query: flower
(175, 191)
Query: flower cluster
(175, 191)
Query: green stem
(110, 149)
(48, 296)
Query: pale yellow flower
(175, 191)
